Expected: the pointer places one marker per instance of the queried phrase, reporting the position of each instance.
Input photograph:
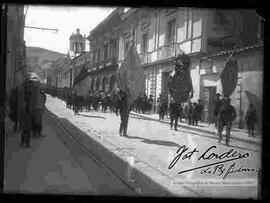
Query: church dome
(77, 36)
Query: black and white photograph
(133, 101)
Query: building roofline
(246, 48)
(119, 11)
(129, 13)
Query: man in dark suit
(175, 110)
(124, 110)
(218, 103)
(226, 116)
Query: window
(144, 43)
(98, 55)
(171, 31)
(113, 48)
(105, 51)
(94, 57)
(189, 24)
(250, 28)
(190, 31)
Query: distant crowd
(98, 100)
(191, 112)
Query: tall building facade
(16, 51)
(207, 36)
(160, 35)
(104, 51)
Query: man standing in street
(75, 102)
(226, 116)
(24, 114)
(251, 120)
(189, 112)
(217, 106)
(124, 110)
(175, 110)
(36, 106)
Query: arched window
(92, 85)
(97, 84)
(112, 82)
(104, 81)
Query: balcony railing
(103, 63)
(163, 52)
(167, 51)
(145, 57)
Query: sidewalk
(236, 134)
(45, 168)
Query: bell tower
(77, 43)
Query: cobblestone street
(156, 145)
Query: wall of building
(82, 87)
(16, 56)
(250, 78)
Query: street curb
(199, 130)
(114, 159)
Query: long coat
(175, 109)
(251, 118)
(13, 105)
(24, 117)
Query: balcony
(167, 51)
(145, 57)
(104, 63)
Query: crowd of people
(26, 106)
(34, 100)
(224, 114)
(190, 111)
(114, 102)
(99, 100)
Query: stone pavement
(47, 167)
(150, 147)
(236, 134)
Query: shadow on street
(91, 116)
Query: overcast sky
(65, 19)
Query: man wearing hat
(226, 116)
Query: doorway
(209, 95)
(165, 87)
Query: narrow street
(49, 168)
(96, 89)
(154, 144)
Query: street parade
(152, 102)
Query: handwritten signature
(218, 167)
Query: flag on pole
(131, 77)
(180, 83)
(229, 76)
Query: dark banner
(229, 76)
(131, 77)
(180, 84)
